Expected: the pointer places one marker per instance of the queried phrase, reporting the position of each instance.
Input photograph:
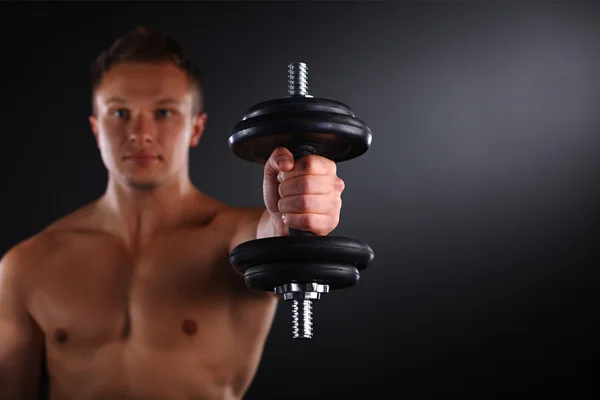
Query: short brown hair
(149, 45)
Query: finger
(281, 159)
(309, 203)
(319, 224)
(311, 184)
(310, 165)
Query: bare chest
(165, 322)
(93, 293)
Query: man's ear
(198, 128)
(94, 126)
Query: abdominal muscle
(127, 371)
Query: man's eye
(121, 113)
(162, 113)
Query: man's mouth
(141, 157)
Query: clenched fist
(304, 194)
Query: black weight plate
(304, 249)
(336, 136)
(298, 103)
(268, 276)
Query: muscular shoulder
(30, 253)
(20, 262)
(239, 224)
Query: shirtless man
(132, 295)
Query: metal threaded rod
(302, 319)
(298, 87)
(297, 79)
(302, 296)
(301, 309)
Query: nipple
(190, 327)
(61, 335)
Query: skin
(132, 295)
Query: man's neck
(137, 214)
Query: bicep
(243, 225)
(21, 342)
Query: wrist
(266, 226)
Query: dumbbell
(301, 266)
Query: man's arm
(247, 224)
(250, 224)
(21, 341)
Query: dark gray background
(479, 194)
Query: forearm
(265, 227)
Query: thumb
(281, 160)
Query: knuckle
(309, 222)
(335, 220)
(332, 167)
(303, 183)
(312, 163)
(340, 184)
(337, 203)
(302, 202)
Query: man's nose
(143, 129)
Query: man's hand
(304, 194)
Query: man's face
(144, 122)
